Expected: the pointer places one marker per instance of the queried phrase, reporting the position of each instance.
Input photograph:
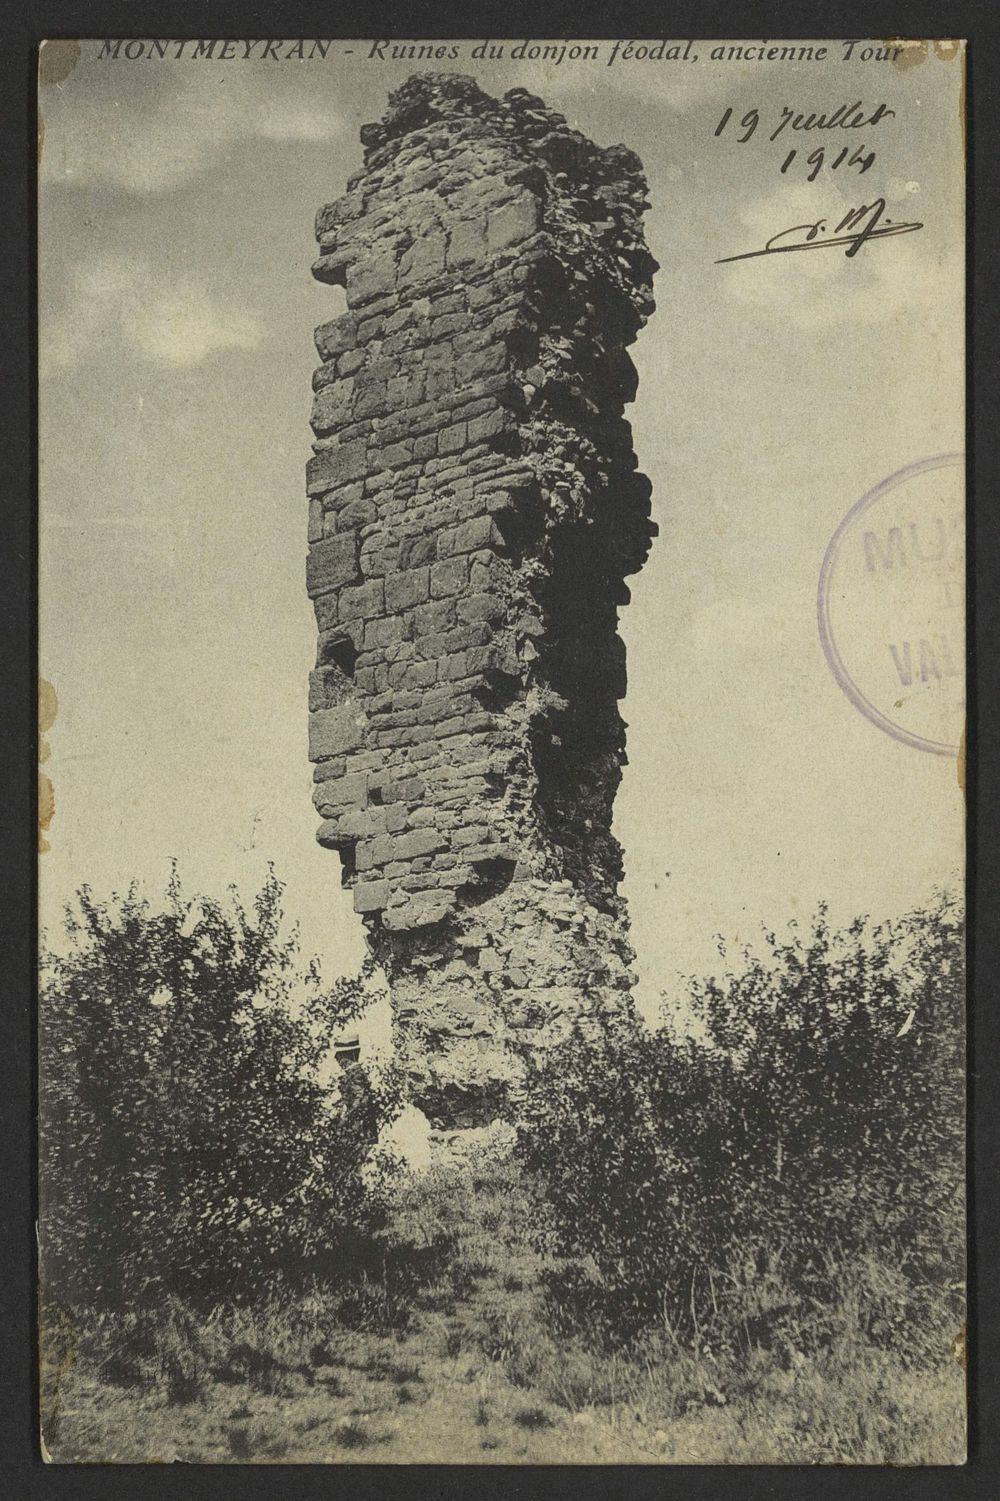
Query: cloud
(149, 141)
(115, 299)
(183, 328)
(148, 131)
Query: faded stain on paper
(48, 708)
(56, 60)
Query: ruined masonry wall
(474, 511)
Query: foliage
(443, 1352)
(189, 1140)
(728, 1187)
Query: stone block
(326, 771)
(362, 823)
(452, 323)
(344, 209)
(369, 277)
(420, 674)
(331, 563)
(480, 363)
(373, 401)
(490, 425)
(356, 514)
(480, 607)
(328, 686)
(374, 852)
(350, 361)
(483, 854)
(371, 896)
(434, 618)
(440, 381)
(383, 632)
(336, 466)
(370, 328)
(454, 666)
(332, 268)
(466, 242)
(418, 842)
(333, 732)
(362, 601)
(472, 535)
(416, 550)
(453, 439)
(423, 909)
(425, 257)
(329, 835)
(471, 834)
(449, 577)
(331, 406)
(397, 816)
(405, 590)
(337, 336)
(397, 455)
(330, 798)
(513, 222)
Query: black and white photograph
(501, 820)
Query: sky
(176, 214)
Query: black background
(22, 27)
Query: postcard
(501, 814)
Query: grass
(448, 1351)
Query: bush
(807, 1150)
(189, 1142)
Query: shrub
(726, 1186)
(189, 1141)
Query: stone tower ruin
(474, 511)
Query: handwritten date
(853, 116)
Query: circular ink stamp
(891, 604)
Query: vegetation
(734, 1188)
(453, 1349)
(745, 1248)
(189, 1140)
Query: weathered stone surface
(335, 466)
(475, 510)
(406, 589)
(371, 896)
(513, 222)
(332, 563)
(334, 731)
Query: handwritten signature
(856, 227)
